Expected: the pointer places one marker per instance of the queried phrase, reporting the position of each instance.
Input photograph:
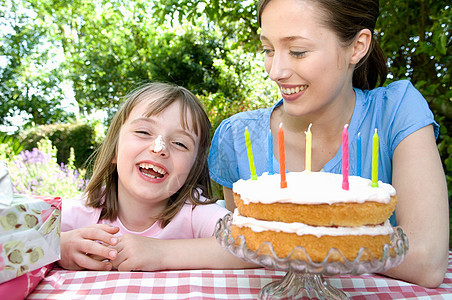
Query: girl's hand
(88, 247)
(138, 253)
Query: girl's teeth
(155, 168)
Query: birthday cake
(314, 212)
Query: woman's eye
(267, 52)
(298, 54)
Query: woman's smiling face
(149, 172)
(303, 57)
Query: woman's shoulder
(397, 110)
(399, 98)
(396, 91)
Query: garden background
(65, 66)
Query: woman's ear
(361, 45)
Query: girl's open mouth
(151, 171)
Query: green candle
(250, 154)
(375, 159)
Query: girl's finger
(90, 263)
(108, 228)
(98, 249)
(99, 234)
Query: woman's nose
(278, 67)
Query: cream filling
(311, 188)
(303, 229)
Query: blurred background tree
(63, 61)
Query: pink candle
(282, 157)
(345, 185)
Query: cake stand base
(304, 277)
(301, 286)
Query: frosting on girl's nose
(159, 144)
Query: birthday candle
(375, 159)
(345, 185)
(358, 155)
(308, 147)
(282, 157)
(270, 152)
(250, 154)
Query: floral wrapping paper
(29, 235)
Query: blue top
(396, 111)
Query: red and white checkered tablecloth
(218, 284)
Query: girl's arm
(229, 198)
(138, 253)
(422, 210)
(87, 248)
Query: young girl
(326, 62)
(146, 206)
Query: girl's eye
(142, 132)
(182, 145)
(298, 54)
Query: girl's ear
(361, 45)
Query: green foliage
(11, 146)
(235, 19)
(37, 172)
(78, 137)
(417, 38)
(29, 85)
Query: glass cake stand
(304, 278)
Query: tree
(112, 46)
(27, 86)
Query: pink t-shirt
(188, 223)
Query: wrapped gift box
(29, 234)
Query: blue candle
(358, 155)
(270, 152)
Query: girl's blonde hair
(102, 189)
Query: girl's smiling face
(150, 174)
(304, 57)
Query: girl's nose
(159, 146)
(278, 67)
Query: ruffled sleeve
(223, 166)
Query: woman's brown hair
(102, 189)
(347, 18)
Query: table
(218, 284)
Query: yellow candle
(308, 143)
(375, 159)
(250, 154)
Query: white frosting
(311, 188)
(159, 144)
(303, 229)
